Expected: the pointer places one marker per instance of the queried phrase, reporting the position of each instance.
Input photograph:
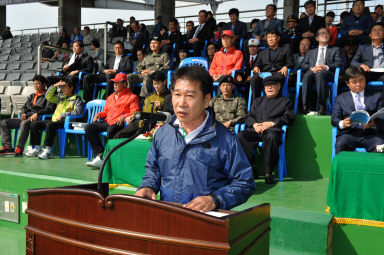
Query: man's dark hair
(119, 42)
(120, 20)
(310, 2)
(378, 6)
(353, 72)
(96, 43)
(80, 43)
(204, 11)
(273, 5)
(358, 1)
(221, 24)
(344, 14)
(376, 24)
(39, 78)
(158, 76)
(87, 28)
(132, 18)
(69, 82)
(174, 20)
(254, 21)
(330, 14)
(64, 30)
(142, 51)
(190, 22)
(351, 41)
(194, 74)
(234, 11)
(209, 13)
(273, 32)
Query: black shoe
(269, 179)
(305, 109)
(6, 151)
(19, 152)
(322, 110)
(255, 172)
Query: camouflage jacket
(156, 62)
(230, 109)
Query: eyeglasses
(322, 33)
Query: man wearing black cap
(290, 35)
(264, 124)
(152, 62)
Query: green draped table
(356, 186)
(126, 165)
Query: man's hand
(120, 121)
(192, 40)
(256, 69)
(308, 34)
(133, 42)
(146, 193)
(109, 71)
(157, 104)
(216, 77)
(65, 68)
(33, 117)
(283, 71)
(96, 117)
(23, 116)
(258, 128)
(129, 119)
(144, 72)
(370, 124)
(201, 204)
(365, 67)
(60, 83)
(347, 122)
(227, 124)
(267, 125)
(355, 32)
(59, 118)
(73, 73)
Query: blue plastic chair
(333, 85)
(91, 109)
(193, 61)
(173, 54)
(334, 133)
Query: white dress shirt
(72, 59)
(319, 51)
(117, 62)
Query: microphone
(166, 117)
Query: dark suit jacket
(174, 37)
(247, 67)
(125, 65)
(240, 29)
(332, 59)
(364, 55)
(344, 106)
(345, 62)
(83, 64)
(364, 23)
(204, 34)
(274, 24)
(283, 58)
(317, 22)
(142, 38)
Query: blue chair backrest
(195, 61)
(94, 107)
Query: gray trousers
(321, 79)
(138, 78)
(7, 125)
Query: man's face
(172, 26)
(226, 89)
(310, 9)
(188, 101)
(322, 36)
(119, 86)
(38, 86)
(159, 86)
(140, 56)
(357, 84)
(135, 27)
(374, 17)
(271, 91)
(77, 49)
(155, 45)
(254, 25)
(119, 22)
(350, 50)
(253, 49)
(189, 27)
(270, 12)
(226, 41)
(379, 11)
(377, 33)
(66, 90)
(64, 45)
(234, 18)
(211, 50)
(304, 46)
(76, 30)
(273, 40)
(86, 31)
(291, 25)
(202, 18)
(358, 8)
(328, 20)
(118, 49)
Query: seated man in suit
(371, 56)
(273, 59)
(309, 25)
(319, 65)
(227, 59)
(264, 121)
(122, 104)
(154, 61)
(352, 135)
(238, 27)
(201, 34)
(120, 63)
(305, 45)
(356, 24)
(189, 31)
(270, 23)
(138, 37)
(79, 61)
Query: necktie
(322, 57)
(251, 62)
(197, 31)
(359, 105)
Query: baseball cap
(226, 78)
(227, 32)
(156, 38)
(120, 77)
(254, 42)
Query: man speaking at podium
(195, 160)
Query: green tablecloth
(126, 165)
(356, 186)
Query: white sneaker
(96, 162)
(380, 148)
(46, 153)
(33, 152)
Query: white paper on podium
(216, 214)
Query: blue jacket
(212, 163)
(350, 23)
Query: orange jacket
(126, 104)
(224, 63)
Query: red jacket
(126, 104)
(332, 35)
(224, 63)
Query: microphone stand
(100, 179)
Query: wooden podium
(79, 220)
